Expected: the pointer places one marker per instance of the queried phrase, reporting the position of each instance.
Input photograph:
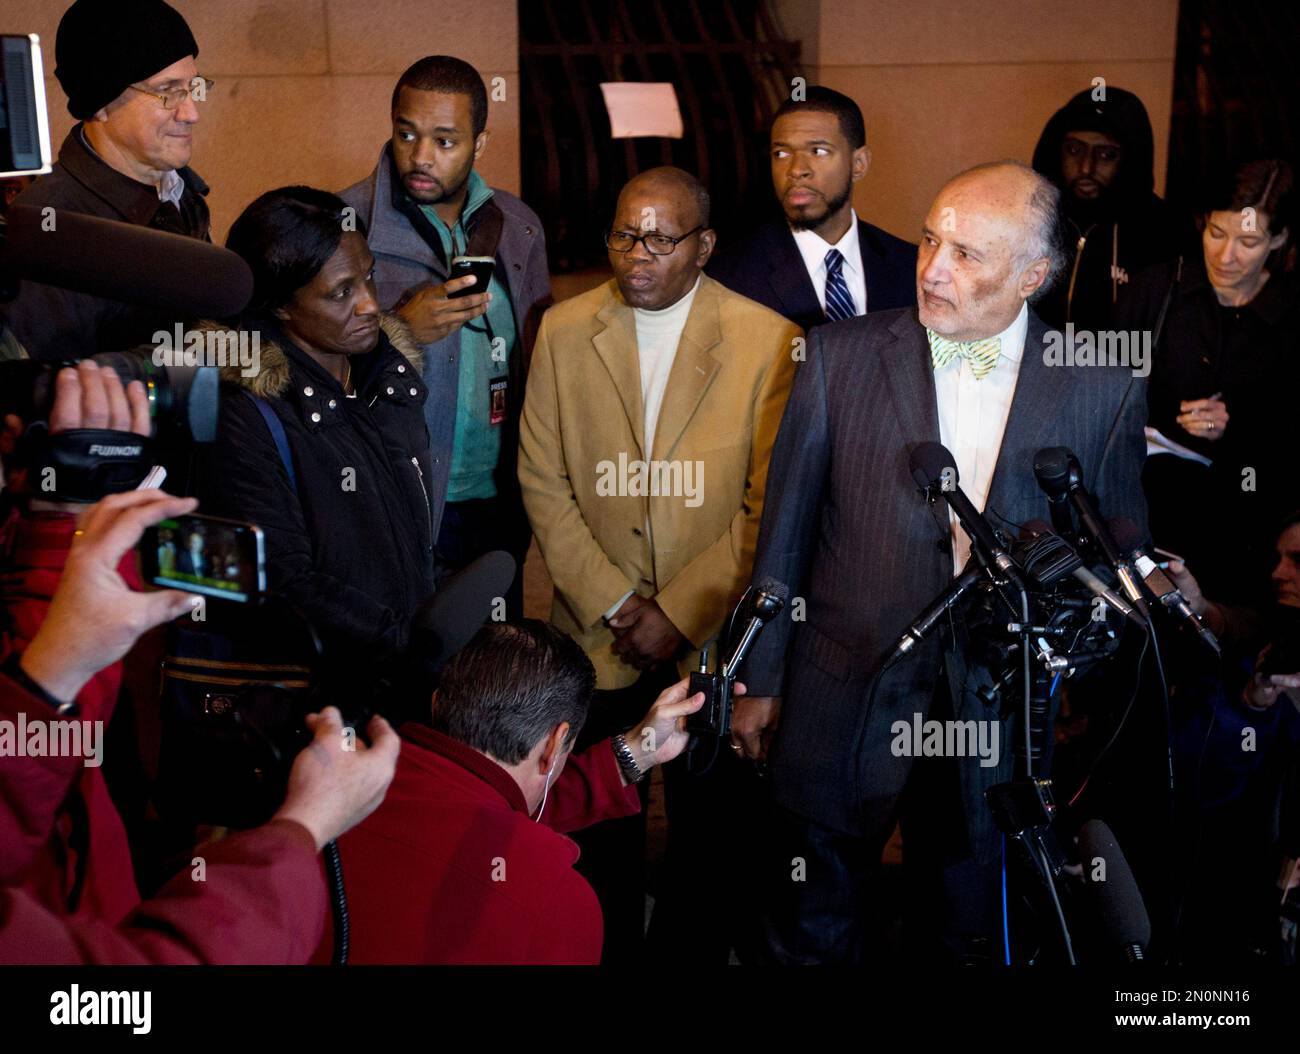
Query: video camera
(189, 279)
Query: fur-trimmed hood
(272, 378)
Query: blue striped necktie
(839, 301)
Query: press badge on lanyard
(497, 400)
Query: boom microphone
(1114, 891)
(121, 261)
(463, 603)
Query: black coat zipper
(428, 512)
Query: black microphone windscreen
(1114, 889)
(120, 261)
(929, 461)
(463, 603)
(777, 589)
(1126, 534)
(1052, 468)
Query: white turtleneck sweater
(657, 335)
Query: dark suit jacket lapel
(694, 367)
(1041, 399)
(872, 254)
(788, 276)
(615, 344)
(910, 380)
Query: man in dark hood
(1098, 149)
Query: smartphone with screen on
(481, 267)
(208, 555)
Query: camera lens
(181, 398)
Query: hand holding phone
(481, 267)
(95, 617)
(204, 554)
(434, 312)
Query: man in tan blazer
(652, 405)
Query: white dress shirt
(171, 187)
(813, 248)
(657, 335)
(972, 417)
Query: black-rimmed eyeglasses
(656, 244)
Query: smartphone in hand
(205, 554)
(481, 267)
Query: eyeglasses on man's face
(174, 98)
(656, 244)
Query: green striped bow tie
(983, 354)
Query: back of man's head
(511, 686)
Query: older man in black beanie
(128, 68)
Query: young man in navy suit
(819, 262)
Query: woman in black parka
(348, 533)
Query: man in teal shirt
(486, 344)
(422, 206)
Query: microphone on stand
(1058, 502)
(935, 471)
(1069, 562)
(1129, 538)
(1060, 476)
(922, 626)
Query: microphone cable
(338, 903)
(1128, 709)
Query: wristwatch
(14, 670)
(627, 761)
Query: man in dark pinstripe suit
(846, 528)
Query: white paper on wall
(642, 109)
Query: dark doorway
(729, 66)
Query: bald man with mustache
(847, 529)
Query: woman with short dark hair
(1225, 325)
(323, 443)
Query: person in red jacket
(466, 862)
(85, 866)
(259, 896)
